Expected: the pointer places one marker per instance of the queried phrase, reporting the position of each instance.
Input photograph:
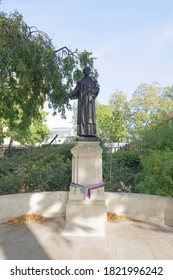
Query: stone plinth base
(87, 163)
(86, 210)
(85, 216)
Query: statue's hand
(91, 97)
(94, 93)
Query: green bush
(125, 167)
(36, 169)
(159, 137)
(157, 176)
(49, 169)
(148, 173)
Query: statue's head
(87, 71)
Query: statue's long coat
(86, 91)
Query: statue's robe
(86, 91)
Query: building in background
(60, 135)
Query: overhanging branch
(66, 51)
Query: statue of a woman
(86, 91)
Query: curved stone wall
(152, 208)
(48, 204)
(157, 209)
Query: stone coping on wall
(150, 208)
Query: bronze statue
(86, 91)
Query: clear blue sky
(132, 39)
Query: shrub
(35, 169)
(157, 176)
(125, 167)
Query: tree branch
(36, 30)
(66, 50)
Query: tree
(105, 122)
(36, 133)
(148, 106)
(159, 137)
(168, 93)
(120, 114)
(105, 129)
(112, 118)
(33, 71)
(111, 124)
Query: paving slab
(123, 241)
(90, 229)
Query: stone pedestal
(81, 208)
(87, 163)
(88, 213)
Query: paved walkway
(123, 240)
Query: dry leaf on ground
(114, 218)
(35, 218)
(27, 219)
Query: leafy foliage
(105, 122)
(126, 167)
(111, 119)
(148, 119)
(36, 133)
(36, 169)
(156, 159)
(149, 106)
(33, 71)
(159, 137)
(157, 176)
